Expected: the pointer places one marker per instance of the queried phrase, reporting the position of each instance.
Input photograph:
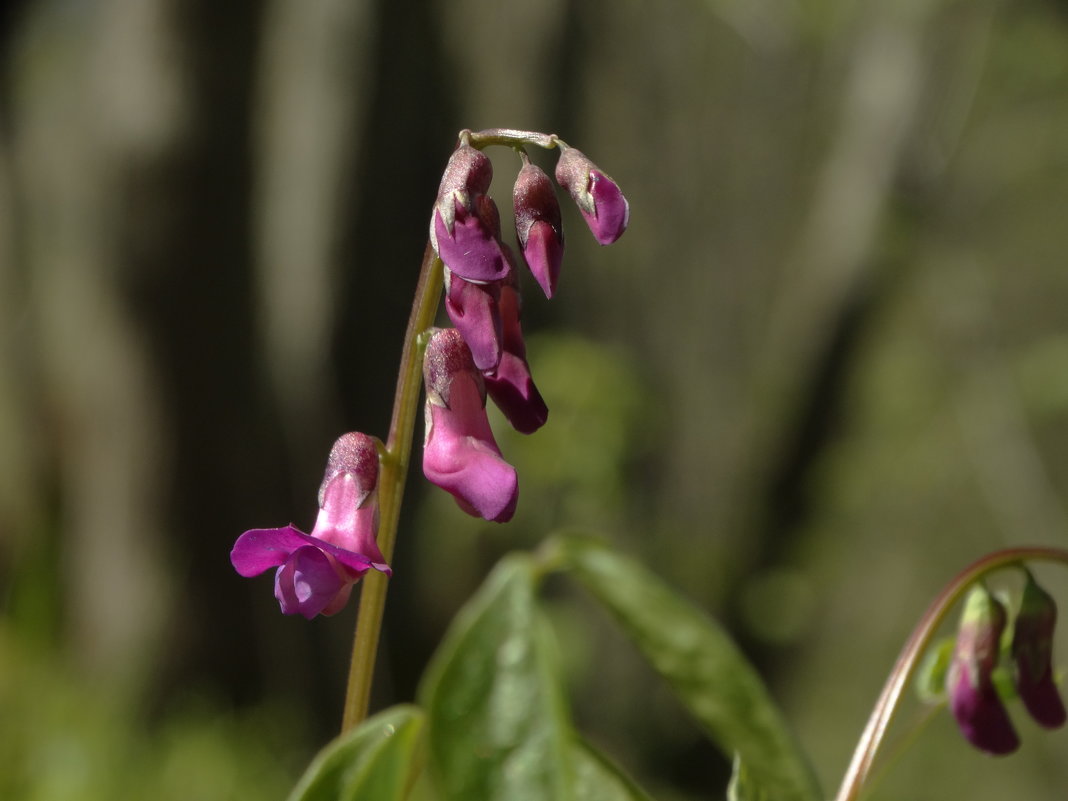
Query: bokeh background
(826, 366)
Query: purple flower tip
(460, 454)
(537, 226)
(973, 698)
(1032, 656)
(315, 572)
(597, 196)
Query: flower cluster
(970, 681)
(485, 353)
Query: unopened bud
(597, 196)
(973, 699)
(1032, 656)
(537, 225)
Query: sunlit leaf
(597, 779)
(702, 665)
(379, 760)
(741, 786)
(498, 728)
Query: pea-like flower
(1032, 656)
(973, 698)
(460, 454)
(465, 228)
(538, 228)
(315, 572)
(597, 196)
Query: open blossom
(510, 385)
(460, 454)
(538, 227)
(315, 572)
(597, 196)
(465, 227)
(1032, 656)
(973, 698)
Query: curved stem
(913, 651)
(510, 137)
(391, 480)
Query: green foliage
(378, 759)
(65, 737)
(499, 728)
(497, 722)
(701, 664)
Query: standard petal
(471, 249)
(262, 548)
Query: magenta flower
(460, 454)
(316, 571)
(1032, 656)
(973, 699)
(473, 309)
(537, 225)
(598, 197)
(465, 228)
(510, 385)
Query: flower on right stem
(973, 693)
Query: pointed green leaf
(597, 779)
(378, 759)
(497, 726)
(701, 663)
(741, 787)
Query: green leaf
(378, 759)
(701, 663)
(597, 779)
(497, 725)
(741, 787)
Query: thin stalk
(917, 643)
(391, 480)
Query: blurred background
(825, 368)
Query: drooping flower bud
(973, 699)
(1032, 656)
(598, 197)
(465, 228)
(460, 454)
(537, 225)
(473, 309)
(316, 571)
(510, 385)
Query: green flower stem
(510, 137)
(394, 471)
(907, 662)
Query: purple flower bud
(460, 454)
(465, 228)
(511, 386)
(316, 571)
(598, 197)
(1032, 656)
(973, 698)
(473, 309)
(537, 225)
